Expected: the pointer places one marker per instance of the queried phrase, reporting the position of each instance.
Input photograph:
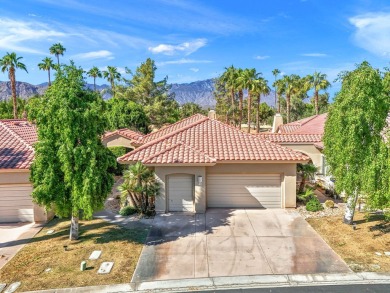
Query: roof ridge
(164, 150)
(14, 134)
(309, 119)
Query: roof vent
(212, 114)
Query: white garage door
(16, 204)
(181, 193)
(244, 191)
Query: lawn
(118, 244)
(357, 247)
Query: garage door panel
(244, 191)
(16, 204)
(180, 193)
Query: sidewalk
(260, 281)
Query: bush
(314, 205)
(329, 203)
(306, 196)
(118, 152)
(127, 211)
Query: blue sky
(195, 40)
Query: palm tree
(10, 62)
(46, 65)
(289, 86)
(57, 50)
(112, 74)
(276, 72)
(94, 72)
(229, 79)
(317, 82)
(240, 87)
(248, 80)
(261, 88)
(307, 171)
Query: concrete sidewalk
(217, 283)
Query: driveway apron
(233, 242)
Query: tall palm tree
(46, 64)
(240, 85)
(261, 88)
(57, 50)
(94, 72)
(248, 79)
(317, 82)
(229, 79)
(289, 86)
(276, 72)
(10, 62)
(112, 74)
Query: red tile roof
(201, 140)
(125, 132)
(17, 137)
(291, 137)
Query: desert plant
(314, 205)
(128, 211)
(306, 196)
(307, 172)
(329, 203)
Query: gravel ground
(113, 202)
(338, 210)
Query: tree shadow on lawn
(383, 226)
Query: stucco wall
(162, 177)
(310, 150)
(117, 140)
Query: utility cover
(105, 267)
(95, 254)
(12, 288)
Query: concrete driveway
(13, 236)
(225, 242)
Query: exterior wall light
(200, 179)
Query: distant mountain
(199, 92)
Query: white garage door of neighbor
(244, 191)
(181, 193)
(16, 204)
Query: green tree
(6, 108)
(229, 78)
(291, 85)
(70, 170)
(122, 113)
(307, 171)
(189, 109)
(112, 75)
(221, 96)
(57, 50)
(10, 62)
(275, 73)
(46, 65)
(352, 137)
(317, 82)
(95, 73)
(266, 113)
(240, 85)
(260, 88)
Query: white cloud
(187, 47)
(182, 61)
(193, 69)
(373, 32)
(102, 54)
(261, 57)
(314, 55)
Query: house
(16, 155)
(304, 136)
(202, 163)
(123, 137)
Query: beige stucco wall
(162, 174)
(310, 150)
(15, 177)
(117, 140)
(287, 172)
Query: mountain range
(199, 92)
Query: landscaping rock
(378, 253)
(95, 254)
(48, 270)
(375, 267)
(105, 267)
(50, 232)
(2, 286)
(387, 253)
(338, 210)
(13, 287)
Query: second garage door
(244, 191)
(16, 204)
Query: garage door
(244, 191)
(16, 204)
(181, 193)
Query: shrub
(314, 205)
(306, 196)
(127, 211)
(329, 203)
(118, 152)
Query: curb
(214, 283)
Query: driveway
(224, 242)
(13, 236)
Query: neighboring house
(122, 137)
(201, 163)
(304, 136)
(16, 155)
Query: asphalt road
(361, 288)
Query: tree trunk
(316, 102)
(241, 96)
(288, 108)
(257, 115)
(275, 97)
(302, 184)
(132, 200)
(13, 89)
(74, 228)
(350, 209)
(48, 73)
(233, 114)
(58, 60)
(94, 84)
(278, 104)
(249, 112)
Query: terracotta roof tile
(125, 132)
(203, 140)
(16, 144)
(291, 137)
(310, 125)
